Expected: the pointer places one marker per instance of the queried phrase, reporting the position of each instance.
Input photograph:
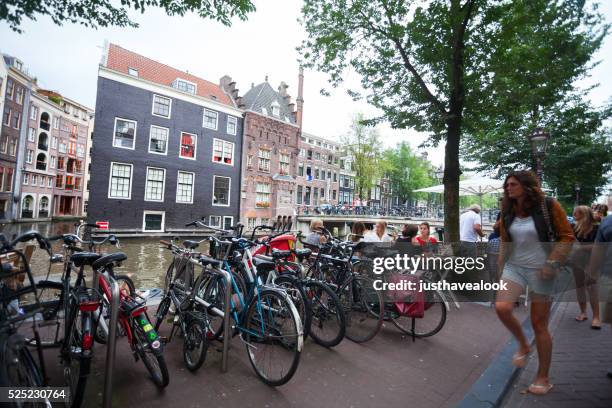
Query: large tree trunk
(451, 180)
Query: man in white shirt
(379, 234)
(470, 229)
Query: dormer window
(185, 86)
(133, 72)
(264, 111)
(275, 109)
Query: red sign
(103, 225)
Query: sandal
(581, 318)
(539, 389)
(519, 360)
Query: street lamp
(577, 190)
(539, 140)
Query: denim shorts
(528, 278)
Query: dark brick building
(166, 147)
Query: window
(78, 166)
(221, 191)
(77, 183)
(29, 156)
(56, 122)
(10, 87)
(158, 140)
(161, 106)
(125, 133)
(275, 109)
(184, 187)
(307, 196)
(31, 134)
(33, 112)
(232, 125)
(13, 146)
(316, 174)
(54, 143)
(251, 223)
(184, 86)
(302, 153)
(333, 194)
(215, 221)
(188, 146)
(72, 148)
(62, 147)
(80, 150)
(335, 177)
(249, 160)
(223, 152)
(26, 179)
(120, 185)
(17, 120)
(133, 72)
(299, 195)
(317, 156)
(154, 189)
(19, 98)
(210, 119)
(284, 163)
(263, 194)
(153, 221)
(264, 160)
(309, 155)
(69, 183)
(8, 186)
(301, 170)
(34, 179)
(50, 182)
(60, 163)
(6, 119)
(315, 198)
(59, 181)
(228, 222)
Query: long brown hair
(533, 192)
(585, 225)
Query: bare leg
(593, 290)
(540, 313)
(504, 306)
(580, 293)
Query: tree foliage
(447, 67)
(104, 13)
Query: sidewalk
(581, 358)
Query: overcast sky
(66, 59)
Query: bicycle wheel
(51, 298)
(212, 291)
(17, 366)
(162, 311)
(328, 325)
(296, 292)
(195, 344)
(150, 353)
(428, 325)
(126, 286)
(76, 351)
(363, 308)
(271, 334)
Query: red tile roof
(120, 59)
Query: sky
(65, 58)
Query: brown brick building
(272, 129)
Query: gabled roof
(119, 59)
(264, 96)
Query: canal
(146, 264)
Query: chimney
(282, 89)
(300, 99)
(226, 84)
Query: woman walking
(585, 231)
(531, 228)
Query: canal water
(146, 263)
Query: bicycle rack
(225, 314)
(112, 337)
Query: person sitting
(316, 237)
(379, 234)
(424, 240)
(358, 231)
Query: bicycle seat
(108, 259)
(190, 244)
(204, 260)
(301, 254)
(263, 262)
(84, 258)
(278, 254)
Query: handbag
(552, 237)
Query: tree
(363, 146)
(440, 66)
(102, 13)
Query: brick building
(271, 138)
(166, 147)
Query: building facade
(318, 171)
(271, 137)
(346, 185)
(54, 152)
(166, 147)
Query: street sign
(103, 225)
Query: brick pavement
(581, 358)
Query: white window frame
(212, 157)
(192, 187)
(50, 182)
(225, 217)
(163, 223)
(131, 72)
(167, 140)
(34, 112)
(195, 146)
(56, 121)
(115, 132)
(216, 121)
(26, 179)
(163, 193)
(29, 159)
(235, 119)
(110, 176)
(210, 221)
(229, 192)
(31, 134)
(175, 86)
(153, 107)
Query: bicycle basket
(220, 250)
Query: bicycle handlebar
(43, 242)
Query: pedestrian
(379, 234)
(534, 226)
(358, 231)
(600, 266)
(316, 237)
(601, 212)
(424, 240)
(585, 231)
(470, 230)
(289, 224)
